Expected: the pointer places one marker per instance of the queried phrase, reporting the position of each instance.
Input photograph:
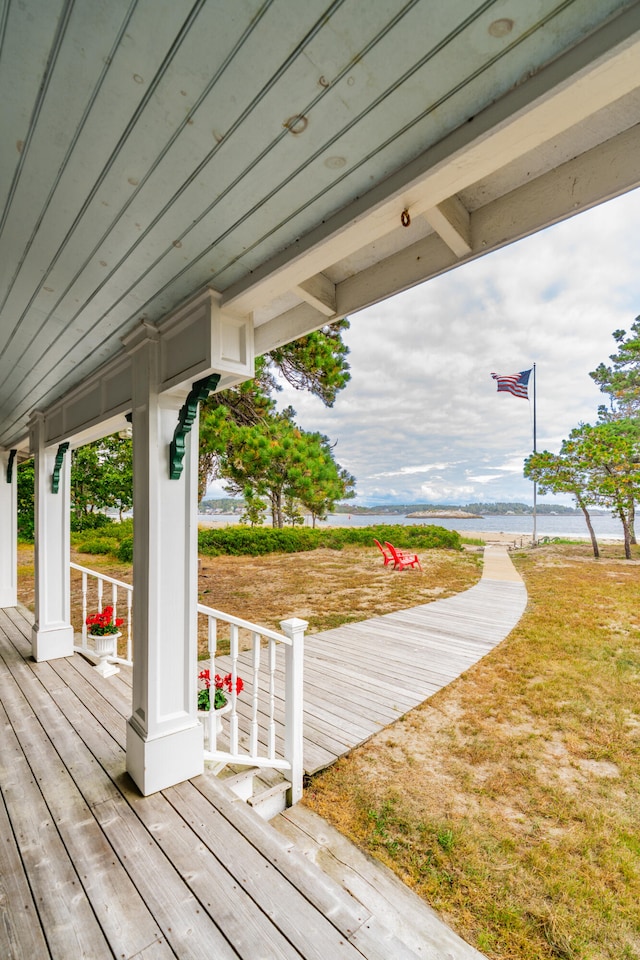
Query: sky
(421, 420)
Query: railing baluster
(233, 719)
(271, 749)
(212, 642)
(100, 584)
(129, 626)
(255, 663)
(84, 609)
(212, 639)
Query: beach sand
(493, 536)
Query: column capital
(145, 332)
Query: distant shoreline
(443, 515)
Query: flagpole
(535, 537)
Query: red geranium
(221, 684)
(102, 623)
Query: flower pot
(105, 646)
(206, 719)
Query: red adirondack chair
(387, 556)
(402, 559)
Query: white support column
(8, 531)
(164, 737)
(52, 634)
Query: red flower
(103, 622)
(222, 686)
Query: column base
(165, 760)
(8, 598)
(52, 643)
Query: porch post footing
(52, 643)
(154, 764)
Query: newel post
(293, 696)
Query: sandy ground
(493, 536)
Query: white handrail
(273, 684)
(100, 580)
(243, 624)
(273, 687)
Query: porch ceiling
(268, 148)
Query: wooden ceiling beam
(451, 221)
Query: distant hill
(222, 505)
(229, 505)
(482, 509)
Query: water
(606, 527)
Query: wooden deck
(89, 868)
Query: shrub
(255, 541)
(90, 521)
(243, 541)
(98, 545)
(124, 551)
(414, 536)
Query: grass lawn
(510, 801)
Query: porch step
(264, 790)
(242, 783)
(270, 801)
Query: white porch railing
(272, 693)
(95, 587)
(272, 673)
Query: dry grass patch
(328, 587)
(511, 800)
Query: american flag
(515, 383)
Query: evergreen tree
(563, 472)
(317, 363)
(273, 459)
(621, 380)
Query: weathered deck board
(92, 869)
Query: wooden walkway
(361, 677)
(90, 869)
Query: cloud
(421, 401)
(404, 471)
(486, 479)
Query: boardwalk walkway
(361, 677)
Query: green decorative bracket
(57, 467)
(200, 391)
(12, 456)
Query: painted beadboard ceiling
(270, 148)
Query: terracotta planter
(105, 646)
